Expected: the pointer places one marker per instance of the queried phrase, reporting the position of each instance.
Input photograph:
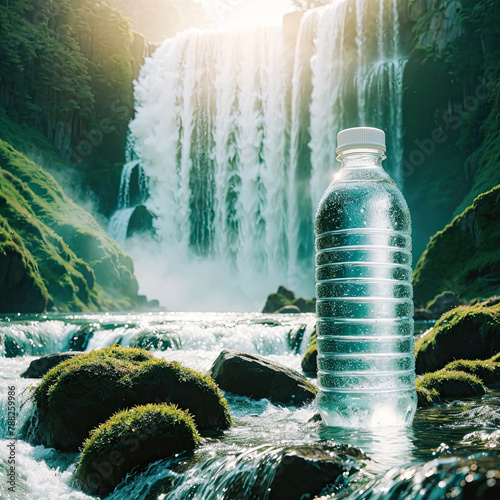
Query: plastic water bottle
(366, 363)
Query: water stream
(223, 467)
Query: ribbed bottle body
(366, 364)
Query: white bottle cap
(360, 137)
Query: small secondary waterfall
(236, 136)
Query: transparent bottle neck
(361, 158)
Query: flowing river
(222, 464)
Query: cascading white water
(237, 141)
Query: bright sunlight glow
(234, 14)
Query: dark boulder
(141, 221)
(81, 339)
(152, 341)
(448, 477)
(295, 337)
(39, 367)
(83, 392)
(291, 473)
(444, 303)
(258, 378)
(304, 471)
(423, 315)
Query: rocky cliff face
(441, 19)
(52, 252)
(450, 109)
(464, 256)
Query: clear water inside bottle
(366, 365)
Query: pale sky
(245, 13)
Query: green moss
(466, 332)
(309, 359)
(463, 257)
(495, 358)
(487, 370)
(426, 397)
(64, 241)
(132, 439)
(79, 394)
(451, 384)
(23, 288)
(457, 80)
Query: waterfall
(236, 138)
(119, 221)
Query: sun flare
(240, 14)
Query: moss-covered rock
(78, 395)
(463, 256)
(450, 112)
(487, 370)
(309, 359)
(426, 397)
(463, 333)
(52, 252)
(284, 298)
(450, 384)
(132, 439)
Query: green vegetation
(463, 257)
(426, 397)
(455, 136)
(67, 70)
(487, 370)
(78, 395)
(309, 359)
(68, 261)
(133, 438)
(284, 297)
(450, 384)
(467, 332)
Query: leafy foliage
(463, 257)
(66, 69)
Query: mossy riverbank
(52, 252)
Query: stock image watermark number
(11, 437)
